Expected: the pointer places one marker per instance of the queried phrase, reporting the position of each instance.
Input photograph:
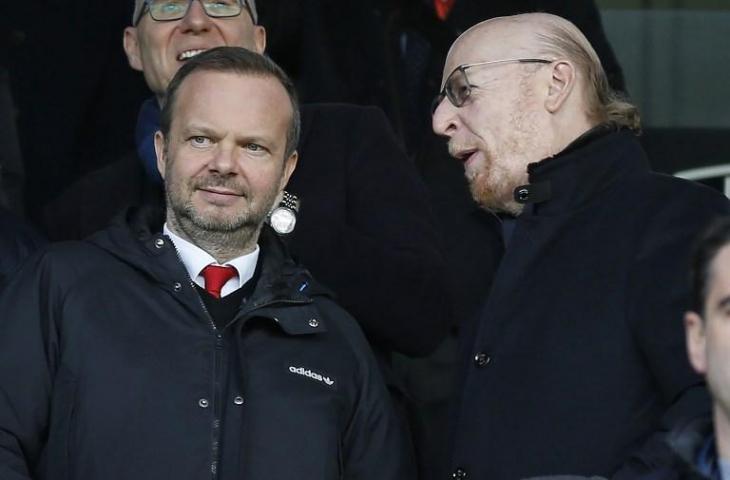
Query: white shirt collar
(196, 259)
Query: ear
(694, 328)
(289, 165)
(131, 48)
(160, 153)
(259, 38)
(562, 81)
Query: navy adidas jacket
(110, 368)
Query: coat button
(177, 286)
(203, 403)
(459, 474)
(481, 359)
(238, 400)
(314, 323)
(159, 243)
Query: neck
(569, 131)
(224, 246)
(722, 431)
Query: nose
(444, 120)
(196, 20)
(224, 160)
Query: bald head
(549, 36)
(515, 91)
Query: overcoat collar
(588, 166)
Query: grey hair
(563, 39)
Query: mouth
(188, 54)
(464, 155)
(221, 191)
(220, 197)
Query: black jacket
(579, 355)
(365, 229)
(692, 448)
(17, 241)
(110, 368)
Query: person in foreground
(576, 363)
(702, 445)
(194, 348)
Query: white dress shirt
(196, 259)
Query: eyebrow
(240, 139)
(195, 128)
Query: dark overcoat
(578, 357)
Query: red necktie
(443, 8)
(216, 276)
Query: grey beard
(222, 240)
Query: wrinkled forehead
(491, 40)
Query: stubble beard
(223, 236)
(492, 185)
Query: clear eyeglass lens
(222, 8)
(457, 88)
(176, 9)
(168, 9)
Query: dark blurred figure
(17, 241)
(75, 96)
(11, 164)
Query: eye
(255, 148)
(200, 141)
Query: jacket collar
(693, 442)
(590, 164)
(135, 238)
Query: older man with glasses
(576, 363)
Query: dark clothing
(223, 310)
(579, 355)
(17, 241)
(75, 95)
(12, 173)
(125, 375)
(365, 227)
(692, 446)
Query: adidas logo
(313, 375)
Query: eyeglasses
(457, 87)
(168, 10)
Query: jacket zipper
(215, 401)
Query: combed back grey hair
(705, 249)
(565, 40)
(233, 60)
